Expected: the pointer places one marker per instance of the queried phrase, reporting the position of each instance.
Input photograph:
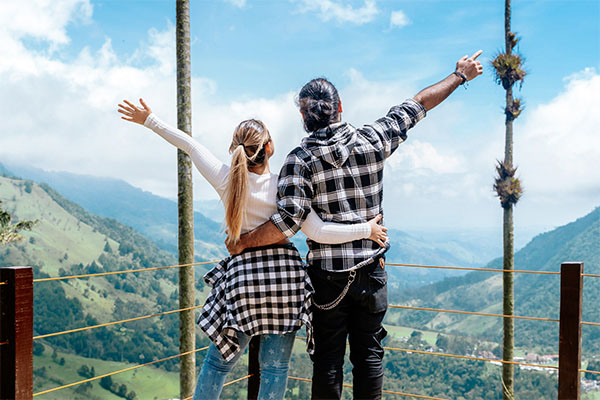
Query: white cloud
(399, 19)
(42, 19)
(61, 115)
(237, 3)
(336, 10)
(557, 146)
(423, 158)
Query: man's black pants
(359, 317)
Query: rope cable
(384, 391)
(474, 313)
(237, 380)
(57, 278)
(114, 322)
(457, 356)
(474, 269)
(590, 371)
(118, 372)
(433, 353)
(590, 323)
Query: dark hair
(319, 104)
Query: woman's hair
(319, 104)
(247, 150)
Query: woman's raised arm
(213, 170)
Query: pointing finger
(477, 54)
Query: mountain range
(156, 218)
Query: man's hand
(234, 248)
(469, 66)
(433, 95)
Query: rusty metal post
(569, 345)
(16, 332)
(253, 368)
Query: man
(338, 170)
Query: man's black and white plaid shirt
(338, 171)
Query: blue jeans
(274, 359)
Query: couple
(331, 187)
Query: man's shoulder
(299, 154)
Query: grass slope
(535, 295)
(147, 382)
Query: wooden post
(253, 368)
(185, 200)
(16, 329)
(569, 345)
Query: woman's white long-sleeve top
(262, 190)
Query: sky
(66, 64)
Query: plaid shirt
(338, 171)
(261, 291)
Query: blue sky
(266, 46)
(72, 60)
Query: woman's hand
(134, 113)
(378, 232)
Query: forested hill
(535, 295)
(156, 218)
(67, 240)
(151, 215)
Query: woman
(263, 291)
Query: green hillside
(67, 240)
(95, 244)
(153, 216)
(535, 295)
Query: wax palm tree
(10, 232)
(185, 202)
(508, 69)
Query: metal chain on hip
(337, 301)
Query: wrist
(462, 76)
(367, 231)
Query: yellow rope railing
(473, 313)
(433, 353)
(117, 372)
(115, 322)
(419, 396)
(590, 323)
(58, 278)
(590, 371)
(474, 269)
(237, 380)
(457, 356)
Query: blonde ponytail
(247, 150)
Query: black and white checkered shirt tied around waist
(338, 171)
(261, 291)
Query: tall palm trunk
(185, 203)
(508, 237)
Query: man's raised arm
(467, 68)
